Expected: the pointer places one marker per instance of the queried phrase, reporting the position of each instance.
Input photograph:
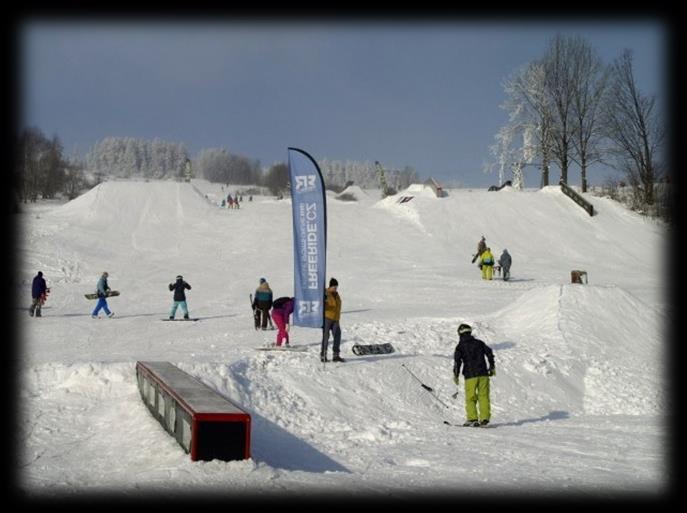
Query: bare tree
(559, 80)
(634, 127)
(590, 81)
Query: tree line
(41, 168)
(568, 107)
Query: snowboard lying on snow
(110, 293)
(283, 348)
(182, 319)
(364, 349)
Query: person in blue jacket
(102, 289)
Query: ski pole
(426, 387)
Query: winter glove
(456, 380)
(492, 371)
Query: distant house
(436, 187)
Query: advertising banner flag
(309, 207)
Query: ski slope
(578, 398)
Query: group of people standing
(486, 261)
(282, 308)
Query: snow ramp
(601, 347)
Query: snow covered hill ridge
(567, 355)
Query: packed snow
(577, 399)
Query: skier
(470, 353)
(179, 288)
(505, 261)
(39, 293)
(486, 263)
(102, 288)
(282, 308)
(262, 304)
(332, 314)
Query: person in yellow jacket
(332, 314)
(486, 263)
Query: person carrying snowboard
(470, 353)
(505, 261)
(39, 293)
(262, 304)
(102, 288)
(486, 263)
(481, 247)
(282, 308)
(332, 314)
(179, 287)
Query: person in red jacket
(282, 308)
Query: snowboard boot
(323, 358)
(471, 423)
(483, 422)
(38, 313)
(186, 317)
(31, 312)
(110, 315)
(337, 358)
(171, 318)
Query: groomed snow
(578, 397)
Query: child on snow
(179, 287)
(486, 263)
(282, 308)
(470, 354)
(262, 304)
(505, 261)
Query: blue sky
(423, 94)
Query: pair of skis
(436, 398)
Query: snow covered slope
(577, 397)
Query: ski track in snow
(576, 401)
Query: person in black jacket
(39, 293)
(179, 288)
(470, 354)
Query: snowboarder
(282, 308)
(262, 304)
(470, 353)
(179, 287)
(481, 247)
(505, 261)
(39, 293)
(102, 288)
(332, 314)
(486, 263)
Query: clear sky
(424, 94)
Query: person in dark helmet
(332, 315)
(470, 354)
(262, 304)
(179, 287)
(39, 293)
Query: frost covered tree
(127, 157)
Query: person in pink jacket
(282, 308)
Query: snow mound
(617, 338)
(355, 191)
